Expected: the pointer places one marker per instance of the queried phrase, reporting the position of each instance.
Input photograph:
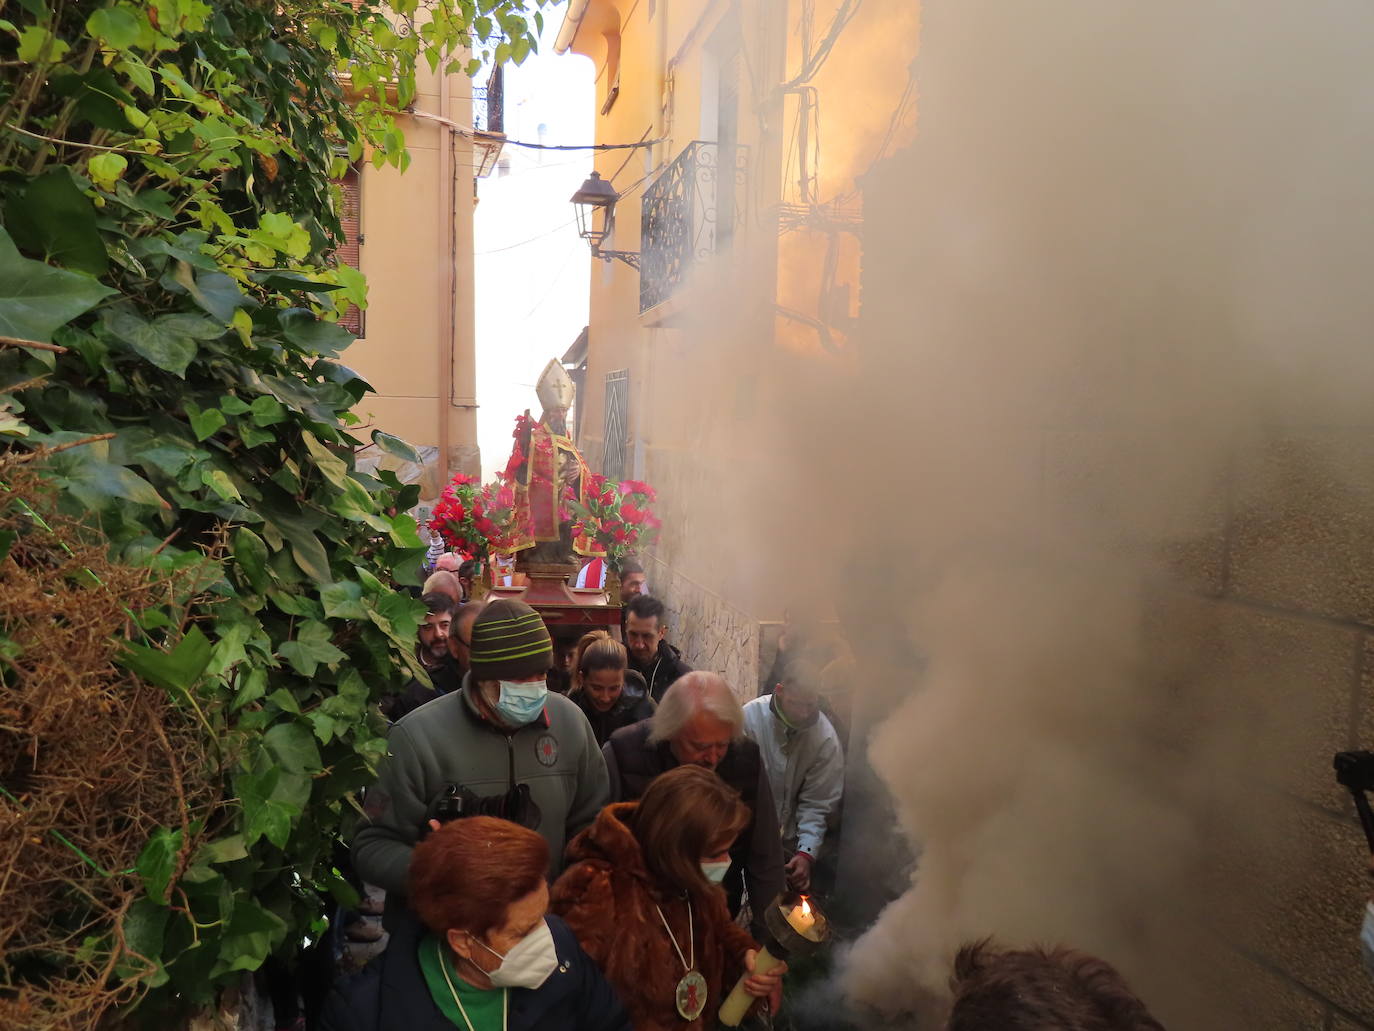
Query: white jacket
(805, 770)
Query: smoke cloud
(1124, 257)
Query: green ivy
(169, 215)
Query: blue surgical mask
(1367, 938)
(521, 703)
(715, 872)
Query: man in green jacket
(502, 746)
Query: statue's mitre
(555, 387)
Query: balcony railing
(690, 213)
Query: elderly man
(700, 721)
(502, 746)
(805, 765)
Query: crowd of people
(587, 838)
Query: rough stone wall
(1276, 628)
(712, 633)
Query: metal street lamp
(597, 194)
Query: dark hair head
(436, 603)
(466, 875)
(645, 606)
(628, 566)
(1041, 989)
(685, 814)
(468, 569)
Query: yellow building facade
(414, 243)
(738, 227)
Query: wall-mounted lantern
(596, 195)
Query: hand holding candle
(795, 928)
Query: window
(350, 250)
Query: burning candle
(803, 920)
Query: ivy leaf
(160, 342)
(117, 26)
(312, 334)
(144, 929)
(36, 299)
(310, 648)
(205, 423)
(293, 747)
(157, 862)
(395, 446)
(96, 483)
(218, 481)
(250, 935)
(52, 217)
(267, 410)
(330, 465)
(105, 169)
(216, 293)
(251, 555)
(343, 600)
(177, 670)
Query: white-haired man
(700, 721)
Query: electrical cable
(463, 130)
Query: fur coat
(607, 897)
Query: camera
(1355, 770)
(456, 802)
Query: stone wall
(712, 633)
(1276, 632)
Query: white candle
(803, 920)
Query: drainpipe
(448, 256)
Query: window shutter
(350, 252)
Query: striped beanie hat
(509, 642)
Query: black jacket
(391, 995)
(662, 670)
(632, 762)
(628, 709)
(447, 677)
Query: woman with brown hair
(644, 900)
(488, 958)
(598, 686)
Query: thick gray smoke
(1128, 251)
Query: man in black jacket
(653, 658)
(433, 651)
(701, 721)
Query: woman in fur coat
(642, 896)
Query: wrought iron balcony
(689, 214)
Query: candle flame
(805, 906)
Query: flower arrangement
(617, 517)
(461, 518)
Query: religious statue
(549, 474)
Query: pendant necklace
(691, 990)
(505, 998)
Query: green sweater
(447, 741)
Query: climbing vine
(171, 373)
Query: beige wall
(419, 351)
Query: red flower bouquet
(461, 519)
(617, 516)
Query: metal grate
(689, 213)
(617, 423)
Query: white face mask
(715, 872)
(529, 963)
(1367, 938)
